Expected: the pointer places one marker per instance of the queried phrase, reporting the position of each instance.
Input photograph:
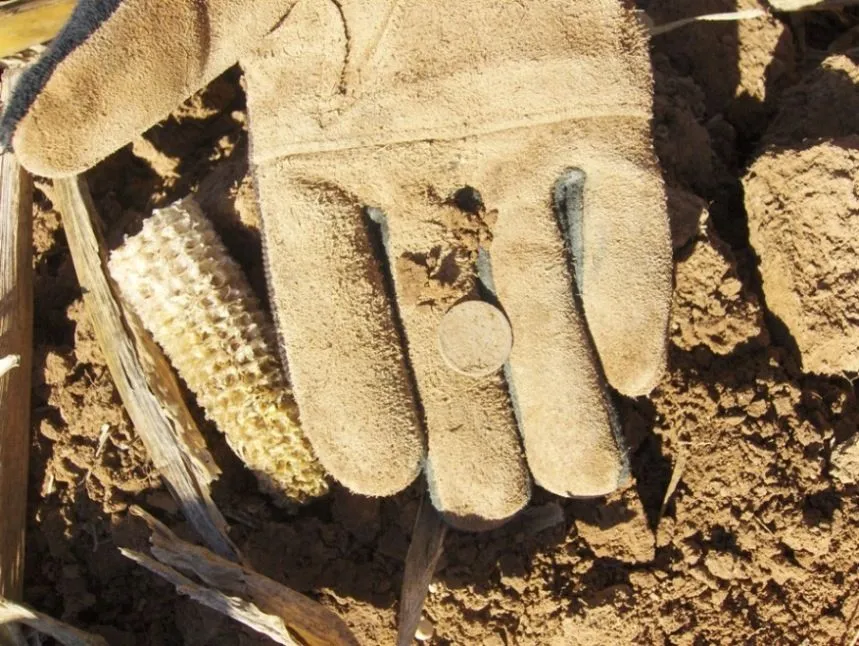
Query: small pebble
(425, 630)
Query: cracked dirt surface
(734, 529)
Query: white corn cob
(193, 298)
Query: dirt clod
(712, 308)
(617, 529)
(803, 207)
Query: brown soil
(733, 531)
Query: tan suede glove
(493, 158)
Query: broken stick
(145, 381)
(16, 346)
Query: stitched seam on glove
(445, 134)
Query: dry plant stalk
(676, 475)
(16, 340)
(63, 633)
(26, 23)
(730, 16)
(142, 376)
(421, 560)
(810, 5)
(238, 592)
(192, 296)
(786, 6)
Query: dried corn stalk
(238, 592)
(11, 612)
(16, 351)
(194, 299)
(143, 378)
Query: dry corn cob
(177, 276)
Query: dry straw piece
(177, 276)
(11, 612)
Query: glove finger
(476, 473)
(568, 423)
(343, 350)
(614, 219)
(120, 66)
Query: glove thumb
(120, 66)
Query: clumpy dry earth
(735, 528)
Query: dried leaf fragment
(239, 592)
(242, 611)
(63, 633)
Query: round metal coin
(475, 338)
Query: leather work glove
(464, 224)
